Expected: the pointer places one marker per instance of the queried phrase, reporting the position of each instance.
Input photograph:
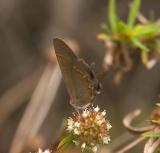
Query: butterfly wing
(76, 74)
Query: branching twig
(128, 120)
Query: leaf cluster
(143, 37)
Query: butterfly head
(96, 84)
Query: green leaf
(152, 134)
(122, 27)
(137, 43)
(156, 121)
(157, 45)
(144, 57)
(145, 31)
(133, 12)
(66, 141)
(144, 50)
(112, 17)
(103, 36)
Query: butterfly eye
(97, 86)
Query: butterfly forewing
(76, 74)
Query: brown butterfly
(80, 80)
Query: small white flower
(104, 113)
(70, 122)
(109, 126)
(76, 124)
(85, 113)
(39, 150)
(106, 140)
(98, 117)
(83, 145)
(76, 132)
(158, 104)
(96, 109)
(92, 144)
(76, 142)
(46, 151)
(94, 149)
(70, 128)
(99, 122)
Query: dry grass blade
(120, 141)
(131, 145)
(49, 96)
(27, 123)
(16, 95)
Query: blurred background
(33, 98)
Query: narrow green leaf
(66, 141)
(157, 46)
(134, 10)
(152, 134)
(103, 36)
(156, 121)
(137, 43)
(149, 30)
(122, 28)
(112, 17)
(144, 57)
(144, 50)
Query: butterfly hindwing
(83, 82)
(76, 74)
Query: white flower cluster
(158, 104)
(46, 151)
(90, 128)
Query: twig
(148, 145)
(131, 145)
(142, 18)
(128, 120)
(127, 59)
(152, 144)
(108, 59)
(155, 146)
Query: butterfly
(79, 78)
